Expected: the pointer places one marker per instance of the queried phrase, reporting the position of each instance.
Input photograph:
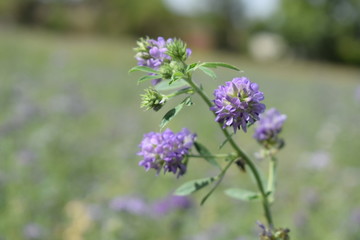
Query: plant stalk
(241, 154)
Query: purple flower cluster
(132, 205)
(166, 150)
(237, 103)
(138, 206)
(154, 53)
(171, 203)
(269, 127)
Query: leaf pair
(152, 73)
(205, 67)
(197, 184)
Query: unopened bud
(152, 99)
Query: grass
(70, 125)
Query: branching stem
(240, 153)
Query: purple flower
(171, 203)
(132, 205)
(33, 231)
(166, 150)
(155, 53)
(237, 103)
(269, 127)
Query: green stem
(272, 178)
(181, 91)
(241, 154)
(220, 177)
(210, 156)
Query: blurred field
(70, 125)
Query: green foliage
(143, 69)
(206, 154)
(318, 28)
(166, 86)
(208, 72)
(205, 67)
(193, 186)
(242, 194)
(174, 111)
(219, 64)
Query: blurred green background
(70, 123)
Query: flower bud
(168, 69)
(152, 99)
(177, 50)
(273, 234)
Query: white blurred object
(316, 160)
(187, 7)
(266, 46)
(254, 9)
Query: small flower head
(152, 53)
(269, 127)
(160, 52)
(237, 103)
(152, 99)
(166, 150)
(273, 234)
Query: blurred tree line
(325, 29)
(321, 29)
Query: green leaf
(242, 194)
(175, 77)
(143, 69)
(205, 153)
(165, 85)
(208, 71)
(192, 67)
(219, 64)
(148, 77)
(174, 111)
(193, 186)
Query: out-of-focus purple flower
(355, 216)
(357, 94)
(166, 150)
(171, 203)
(133, 205)
(33, 231)
(269, 126)
(237, 103)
